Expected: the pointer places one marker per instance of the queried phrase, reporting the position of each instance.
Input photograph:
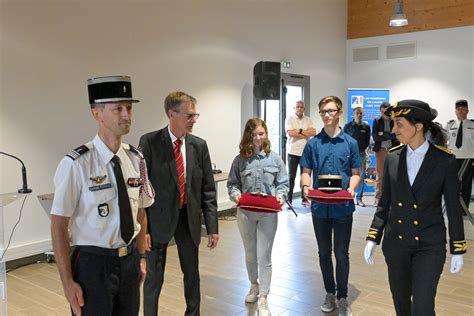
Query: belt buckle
(122, 251)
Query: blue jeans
(342, 228)
(360, 187)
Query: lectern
(5, 199)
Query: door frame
(287, 79)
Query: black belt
(117, 252)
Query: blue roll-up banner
(369, 100)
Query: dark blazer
(411, 216)
(378, 126)
(200, 187)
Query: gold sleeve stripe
(460, 247)
(372, 235)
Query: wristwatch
(301, 131)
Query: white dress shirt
(467, 134)
(415, 159)
(86, 191)
(183, 147)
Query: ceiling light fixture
(399, 18)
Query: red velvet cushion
(257, 203)
(330, 197)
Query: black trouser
(110, 285)
(413, 274)
(341, 229)
(189, 261)
(293, 162)
(466, 182)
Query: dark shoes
(360, 203)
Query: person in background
(360, 131)
(417, 177)
(461, 138)
(384, 139)
(181, 172)
(299, 128)
(257, 169)
(332, 152)
(100, 191)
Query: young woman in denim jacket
(257, 169)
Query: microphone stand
(24, 189)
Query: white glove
(369, 252)
(456, 263)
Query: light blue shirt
(259, 173)
(415, 159)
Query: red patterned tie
(180, 168)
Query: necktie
(459, 137)
(126, 220)
(178, 156)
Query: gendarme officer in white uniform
(461, 138)
(101, 189)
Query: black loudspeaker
(266, 80)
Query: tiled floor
(297, 287)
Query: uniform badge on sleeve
(134, 182)
(103, 209)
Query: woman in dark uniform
(417, 175)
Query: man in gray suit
(179, 167)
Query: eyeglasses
(190, 116)
(330, 112)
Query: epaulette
(395, 147)
(451, 121)
(446, 150)
(472, 120)
(76, 153)
(135, 150)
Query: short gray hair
(174, 100)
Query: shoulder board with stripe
(446, 150)
(135, 150)
(472, 120)
(396, 147)
(76, 153)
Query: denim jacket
(259, 173)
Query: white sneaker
(343, 306)
(252, 296)
(263, 309)
(329, 303)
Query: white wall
(206, 48)
(441, 73)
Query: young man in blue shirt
(332, 152)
